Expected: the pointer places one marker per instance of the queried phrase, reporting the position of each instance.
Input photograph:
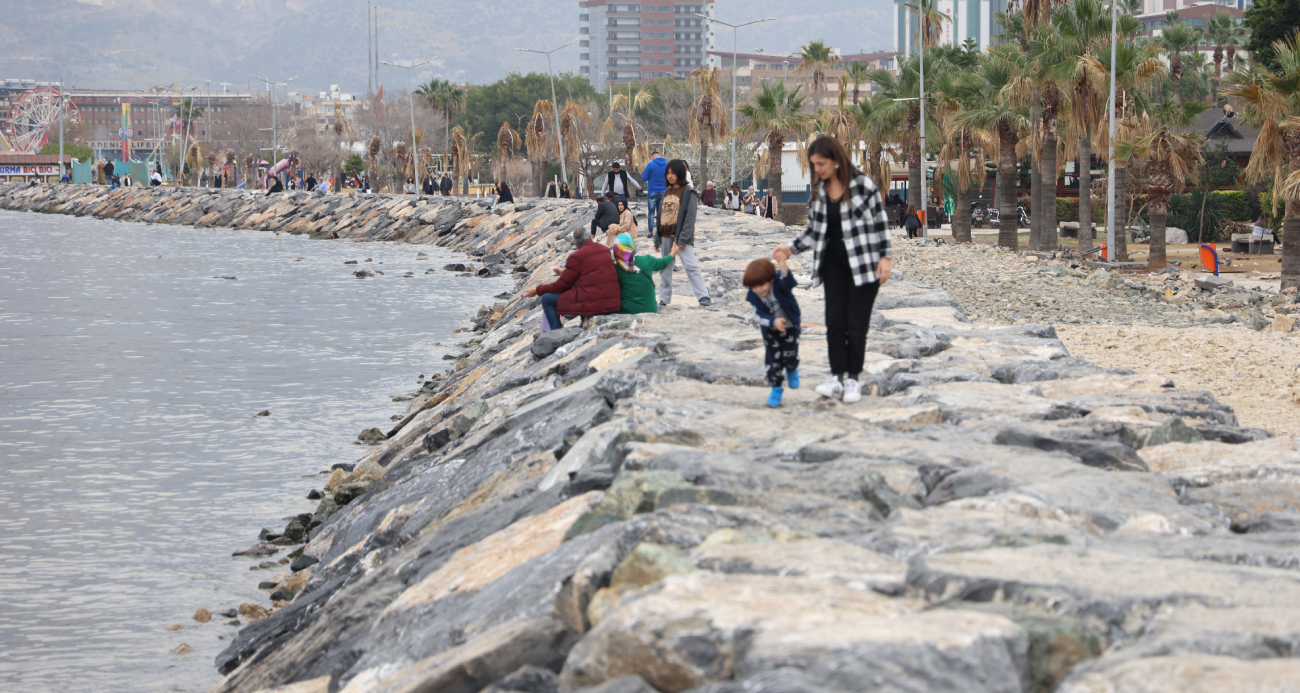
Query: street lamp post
(735, 31)
(564, 171)
(275, 138)
(785, 73)
(1110, 177)
(415, 153)
(63, 94)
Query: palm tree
(632, 101)
(875, 127)
(707, 120)
(1178, 38)
(903, 109)
(955, 93)
(857, 73)
(1223, 32)
(816, 57)
(446, 97)
(507, 142)
(1172, 156)
(1270, 100)
(776, 114)
(1195, 63)
(1050, 64)
(1136, 66)
(572, 115)
(930, 26)
(994, 111)
(542, 141)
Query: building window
(648, 22)
(649, 61)
(665, 8)
(665, 61)
(665, 22)
(648, 35)
(664, 35)
(647, 75)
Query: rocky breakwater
(616, 510)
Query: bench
(1247, 243)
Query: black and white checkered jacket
(866, 230)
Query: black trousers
(595, 228)
(848, 315)
(782, 353)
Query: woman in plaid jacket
(848, 232)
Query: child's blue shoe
(792, 377)
(774, 399)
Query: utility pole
(415, 152)
(63, 109)
(564, 172)
(376, 46)
(735, 29)
(925, 173)
(370, 72)
(1110, 177)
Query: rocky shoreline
(616, 510)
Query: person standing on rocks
(677, 228)
(429, 185)
(618, 184)
(848, 232)
(912, 222)
(446, 185)
(587, 285)
(777, 313)
(653, 175)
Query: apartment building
(967, 19)
(626, 42)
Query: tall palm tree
(1050, 63)
(446, 97)
(1136, 67)
(876, 128)
(955, 93)
(1172, 156)
(542, 141)
(776, 114)
(930, 22)
(507, 143)
(571, 116)
(1195, 63)
(708, 122)
(996, 112)
(1178, 38)
(1222, 31)
(632, 101)
(1270, 100)
(857, 73)
(816, 58)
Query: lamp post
(275, 139)
(785, 73)
(415, 153)
(1110, 177)
(735, 31)
(63, 91)
(564, 171)
(207, 87)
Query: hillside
(134, 44)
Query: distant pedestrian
(108, 172)
(607, 215)
(733, 198)
(428, 186)
(653, 175)
(409, 186)
(126, 180)
(751, 201)
(1261, 228)
(677, 228)
(769, 207)
(709, 198)
(618, 184)
(275, 186)
(311, 183)
(155, 178)
(912, 222)
(564, 191)
(552, 190)
(446, 185)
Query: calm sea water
(133, 463)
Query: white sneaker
(852, 391)
(831, 388)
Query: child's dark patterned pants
(782, 354)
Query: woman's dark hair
(829, 148)
(1262, 222)
(677, 167)
(759, 272)
(911, 209)
(622, 203)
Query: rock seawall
(616, 510)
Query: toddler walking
(777, 313)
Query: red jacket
(588, 285)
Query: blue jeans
(551, 309)
(654, 204)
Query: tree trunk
(1176, 71)
(1291, 222)
(961, 216)
(1035, 180)
(915, 177)
(1008, 219)
(1232, 57)
(1158, 212)
(1120, 252)
(1085, 193)
(1045, 212)
(1218, 72)
(703, 176)
(775, 143)
(539, 174)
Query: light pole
(785, 73)
(275, 139)
(415, 153)
(63, 94)
(1110, 177)
(207, 87)
(564, 171)
(735, 31)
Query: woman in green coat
(634, 272)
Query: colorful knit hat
(625, 252)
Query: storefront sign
(29, 170)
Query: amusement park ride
(31, 115)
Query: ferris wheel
(32, 114)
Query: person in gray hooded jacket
(676, 227)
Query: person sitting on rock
(636, 285)
(607, 216)
(777, 313)
(587, 285)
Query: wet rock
(337, 478)
(456, 267)
(202, 616)
(315, 494)
(546, 343)
(264, 412)
(364, 274)
(253, 612)
(350, 262)
(1174, 430)
(259, 550)
(302, 562)
(348, 492)
(228, 613)
(372, 436)
(182, 648)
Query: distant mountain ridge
(134, 44)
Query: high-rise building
(967, 19)
(627, 42)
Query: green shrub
(1233, 205)
(1067, 209)
(1185, 213)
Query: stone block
(1209, 282)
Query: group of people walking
(848, 232)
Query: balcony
(613, 22)
(584, 56)
(624, 36)
(584, 44)
(623, 48)
(624, 62)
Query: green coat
(638, 288)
